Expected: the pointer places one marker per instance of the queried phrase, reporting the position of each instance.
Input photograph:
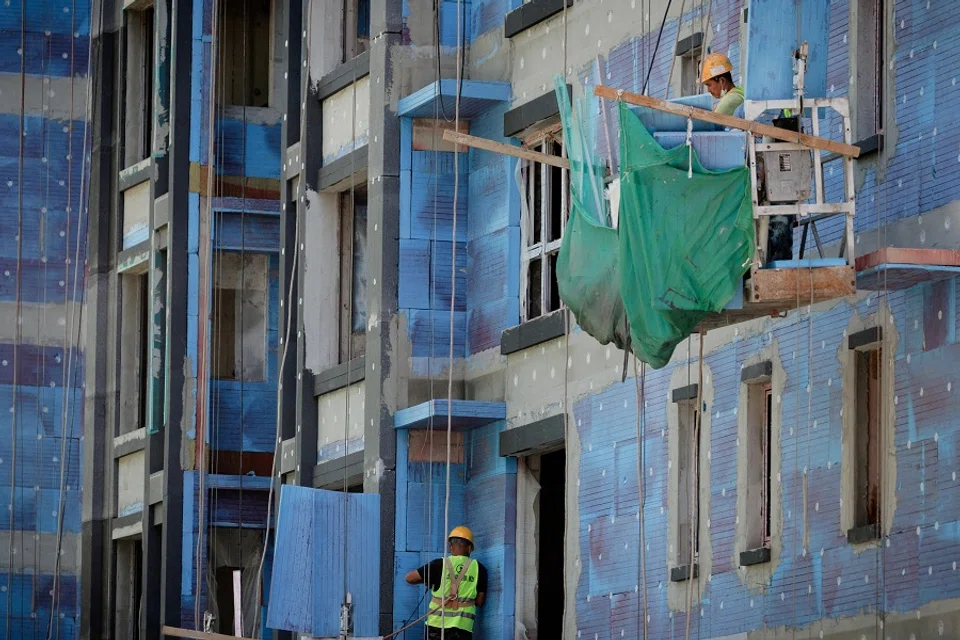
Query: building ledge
(682, 574)
(533, 332)
(866, 533)
(464, 414)
(530, 14)
(752, 557)
(476, 97)
(894, 269)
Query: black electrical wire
(436, 23)
(653, 58)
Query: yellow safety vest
(454, 604)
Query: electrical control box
(787, 176)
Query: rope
(639, 383)
(453, 291)
(694, 477)
(205, 347)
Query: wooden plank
(175, 632)
(786, 285)
(755, 128)
(499, 147)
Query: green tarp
(684, 242)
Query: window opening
(688, 505)
(356, 36)
(766, 439)
(140, 46)
(136, 348)
(867, 438)
(128, 588)
(547, 206)
(871, 68)
(239, 316)
(690, 73)
(144, 347)
(353, 275)
(227, 579)
(245, 53)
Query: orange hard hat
(461, 532)
(715, 64)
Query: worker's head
(716, 74)
(461, 541)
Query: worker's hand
(413, 577)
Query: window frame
(548, 141)
(239, 340)
(351, 344)
(135, 350)
(687, 408)
(353, 44)
(869, 72)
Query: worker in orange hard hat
(458, 586)
(717, 77)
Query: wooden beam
(756, 128)
(175, 632)
(506, 149)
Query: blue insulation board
(42, 183)
(320, 534)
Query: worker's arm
(481, 598)
(413, 577)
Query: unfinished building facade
(301, 283)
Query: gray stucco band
(531, 13)
(340, 376)
(344, 75)
(532, 112)
(342, 169)
(332, 473)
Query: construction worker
(716, 76)
(458, 587)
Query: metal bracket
(346, 617)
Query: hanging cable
(75, 320)
(15, 409)
(653, 57)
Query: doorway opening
(541, 522)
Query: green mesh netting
(684, 242)
(588, 264)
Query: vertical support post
(306, 105)
(97, 594)
(290, 343)
(383, 232)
